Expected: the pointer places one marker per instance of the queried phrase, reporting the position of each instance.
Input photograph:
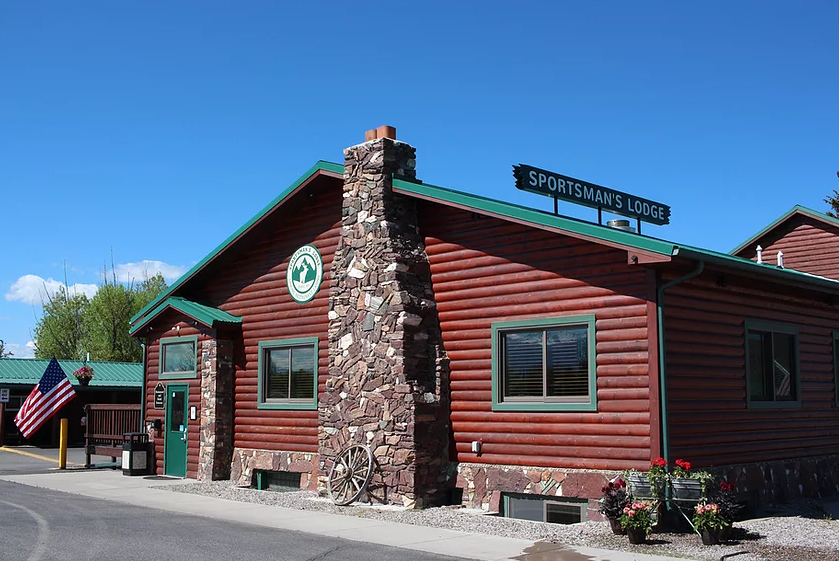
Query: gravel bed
(798, 532)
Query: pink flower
(631, 513)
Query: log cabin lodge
(490, 354)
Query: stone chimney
(388, 375)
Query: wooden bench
(104, 427)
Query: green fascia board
(28, 371)
(318, 167)
(509, 210)
(205, 314)
(797, 208)
(752, 267)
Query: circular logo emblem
(305, 271)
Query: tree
(3, 352)
(73, 326)
(60, 332)
(833, 201)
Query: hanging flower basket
(84, 374)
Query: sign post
(563, 187)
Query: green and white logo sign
(305, 271)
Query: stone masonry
(388, 376)
(216, 417)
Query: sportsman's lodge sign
(557, 186)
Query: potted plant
(637, 519)
(84, 374)
(725, 497)
(685, 487)
(615, 499)
(708, 521)
(650, 485)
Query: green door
(174, 447)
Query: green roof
(532, 216)
(797, 209)
(321, 166)
(28, 371)
(199, 312)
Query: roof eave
(321, 168)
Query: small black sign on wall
(159, 396)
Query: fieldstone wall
(483, 484)
(387, 385)
(245, 460)
(783, 481)
(216, 413)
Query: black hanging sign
(159, 396)
(557, 186)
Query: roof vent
(620, 224)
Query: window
(178, 357)
(836, 366)
(546, 364)
(288, 374)
(541, 509)
(772, 376)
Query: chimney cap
(384, 131)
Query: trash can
(135, 453)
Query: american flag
(49, 395)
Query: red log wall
(808, 244)
(486, 270)
(706, 380)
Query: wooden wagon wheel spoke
(350, 474)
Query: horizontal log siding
(168, 323)
(251, 284)
(487, 270)
(808, 244)
(706, 377)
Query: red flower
(660, 462)
(726, 486)
(620, 483)
(683, 464)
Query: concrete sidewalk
(111, 485)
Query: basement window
(288, 374)
(836, 366)
(544, 365)
(772, 372)
(277, 481)
(543, 509)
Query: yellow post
(62, 444)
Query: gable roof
(651, 249)
(210, 317)
(611, 236)
(320, 168)
(796, 210)
(27, 371)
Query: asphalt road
(43, 525)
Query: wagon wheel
(350, 474)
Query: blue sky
(153, 130)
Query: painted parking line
(37, 456)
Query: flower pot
(710, 536)
(686, 490)
(640, 488)
(84, 381)
(636, 535)
(615, 524)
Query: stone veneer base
(245, 460)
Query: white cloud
(32, 289)
(127, 272)
(21, 351)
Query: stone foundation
(245, 460)
(783, 481)
(483, 484)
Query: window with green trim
(836, 366)
(547, 363)
(772, 364)
(179, 357)
(288, 374)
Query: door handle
(183, 438)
